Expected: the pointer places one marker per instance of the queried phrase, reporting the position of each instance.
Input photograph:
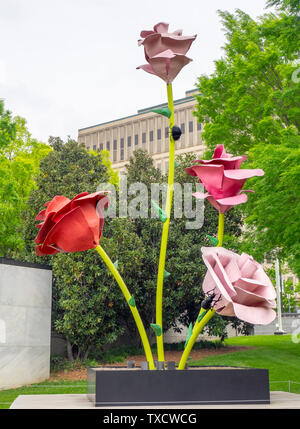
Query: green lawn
(276, 353)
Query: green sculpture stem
(164, 238)
(131, 304)
(196, 331)
(220, 230)
(203, 317)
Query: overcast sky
(70, 64)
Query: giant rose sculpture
(234, 285)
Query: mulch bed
(80, 374)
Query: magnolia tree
(234, 285)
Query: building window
(101, 146)
(94, 147)
(198, 126)
(158, 166)
(144, 138)
(87, 148)
(151, 136)
(129, 141)
(159, 134)
(182, 127)
(136, 139)
(191, 128)
(122, 149)
(108, 145)
(115, 146)
(166, 132)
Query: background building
(146, 130)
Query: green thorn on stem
(157, 329)
(165, 111)
(189, 334)
(116, 264)
(200, 317)
(161, 213)
(131, 302)
(176, 164)
(166, 274)
(213, 240)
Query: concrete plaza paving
(279, 400)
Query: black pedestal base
(197, 385)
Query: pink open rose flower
(165, 52)
(223, 179)
(71, 225)
(244, 289)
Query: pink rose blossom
(223, 179)
(165, 52)
(244, 289)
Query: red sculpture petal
(45, 250)
(58, 202)
(73, 233)
(44, 229)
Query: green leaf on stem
(213, 240)
(131, 302)
(157, 329)
(161, 213)
(165, 111)
(166, 274)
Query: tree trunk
(69, 351)
(85, 356)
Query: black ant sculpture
(210, 300)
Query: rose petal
(200, 195)
(73, 233)
(210, 175)
(45, 250)
(234, 200)
(58, 202)
(161, 27)
(232, 271)
(210, 262)
(243, 173)
(254, 315)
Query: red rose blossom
(71, 225)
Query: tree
(20, 156)
(251, 104)
(84, 295)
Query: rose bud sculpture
(76, 225)
(223, 179)
(165, 54)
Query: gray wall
(25, 323)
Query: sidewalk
(279, 400)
